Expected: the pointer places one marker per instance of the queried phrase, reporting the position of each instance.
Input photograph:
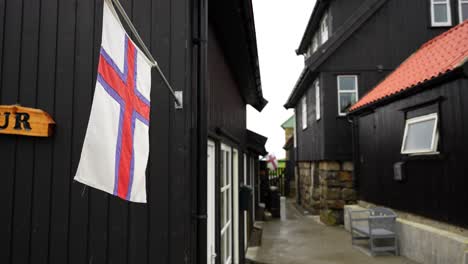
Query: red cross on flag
(116, 146)
(272, 163)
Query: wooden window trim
(460, 10)
(449, 14)
(304, 112)
(356, 91)
(323, 23)
(318, 114)
(435, 135)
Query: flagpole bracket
(179, 103)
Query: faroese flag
(116, 146)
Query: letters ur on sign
(18, 120)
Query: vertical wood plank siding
(227, 108)
(48, 59)
(435, 186)
(374, 50)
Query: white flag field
(116, 146)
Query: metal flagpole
(145, 49)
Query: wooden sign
(18, 120)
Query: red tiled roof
(438, 56)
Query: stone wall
(325, 188)
(336, 190)
(306, 171)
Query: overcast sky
(279, 26)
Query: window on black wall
(347, 92)
(421, 134)
(441, 15)
(324, 29)
(304, 111)
(463, 10)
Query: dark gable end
(355, 21)
(233, 22)
(313, 24)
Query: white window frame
(317, 100)
(460, 13)
(356, 91)
(315, 43)
(227, 212)
(324, 25)
(435, 135)
(304, 111)
(295, 129)
(449, 13)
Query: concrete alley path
(302, 240)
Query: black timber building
(348, 47)
(48, 59)
(410, 135)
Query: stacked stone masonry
(325, 188)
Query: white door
(252, 184)
(211, 212)
(226, 205)
(235, 189)
(245, 211)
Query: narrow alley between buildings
(301, 239)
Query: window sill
(437, 156)
(440, 26)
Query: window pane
(222, 163)
(229, 203)
(346, 101)
(464, 11)
(324, 29)
(223, 208)
(347, 83)
(223, 248)
(304, 112)
(314, 44)
(229, 243)
(440, 13)
(419, 135)
(228, 168)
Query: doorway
(211, 212)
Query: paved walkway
(302, 240)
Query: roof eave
(363, 13)
(297, 90)
(458, 72)
(260, 102)
(314, 20)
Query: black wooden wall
(310, 141)
(48, 60)
(226, 107)
(382, 43)
(226, 110)
(435, 185)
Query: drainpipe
(355, 150)
(199, 124)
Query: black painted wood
(10, 78)
(434, 185)
(381, 43)
(227, 109)
(49, 51)
(48, 59)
